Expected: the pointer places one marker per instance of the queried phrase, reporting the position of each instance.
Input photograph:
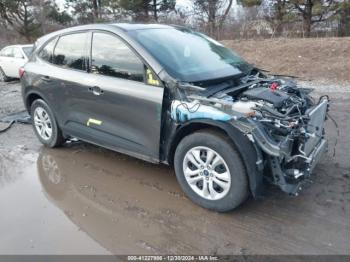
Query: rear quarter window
(70, 51)
(27, 50)
(46, 53)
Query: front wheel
(210, 171)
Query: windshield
(27, 50)
(190, 56)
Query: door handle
(45, 78)
(96, 90)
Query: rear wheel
(210, 171)
(3, 76)
(45, 125)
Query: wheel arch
(31, 97)
(244, 146)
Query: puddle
(30, 223)
(83, 199)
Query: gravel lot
(82, 199)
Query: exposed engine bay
(282, 120)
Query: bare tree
(213, 14)
(343, 12)
(309, 12)
(87, 11)
(96, 6)
(146, 10)
(277, 14)
(313, 11)
(20, 16)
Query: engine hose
(277, 114)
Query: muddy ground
(82, 199)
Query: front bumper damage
(291, 162)
(284, 125)
(285, 180)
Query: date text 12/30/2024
(173, 258)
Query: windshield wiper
(242, 86)
(272, 74)
(215, 89)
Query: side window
(8, 52)
(2, 52)
(27, 50)
(17, 53)
(112, 57)
(46, 53)
(70, 51)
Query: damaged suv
(170, 95)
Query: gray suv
(167, 94)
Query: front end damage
(283, 122)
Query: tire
(230, 196)
(3, 76)
(43, 116)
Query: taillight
(21, 72)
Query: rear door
(121, 106)
(59, 73)
(68, 77)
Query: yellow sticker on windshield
(150, 78)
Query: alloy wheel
(42, 123)
(207, 173)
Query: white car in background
(12, 58)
